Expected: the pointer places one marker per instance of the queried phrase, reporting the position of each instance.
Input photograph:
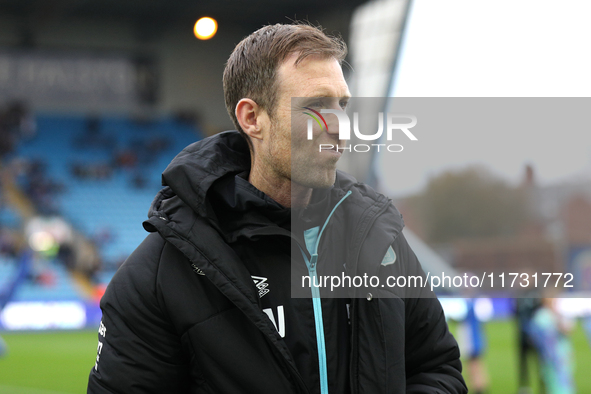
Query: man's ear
(251, 118)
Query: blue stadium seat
(110, 205)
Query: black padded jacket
(182, 314)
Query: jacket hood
(196, 168)
(211, 178)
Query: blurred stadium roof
(153, 16)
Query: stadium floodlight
(205, 28)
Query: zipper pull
(313, 260)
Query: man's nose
(332, 120)
(333, 124)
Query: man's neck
(282, 190)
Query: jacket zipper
(317, 301)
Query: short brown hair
(252, 67)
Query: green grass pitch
(501, 359)
(47, 362)
(59, 362)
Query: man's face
(320, 84)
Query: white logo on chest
(261, 284)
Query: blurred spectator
(67, 256)
(147, 150)
(92, 171)
(189, 117)
(473, 345)
(587, 327)
(88, 260)
(7, 292)
(157, 144)
(3, 347)
(103, 236)
(7, 140)
(16, 122)
(93, 136)
(93, 125)
(40, 189)
(8, 243)
(139, 181)
(126, 159)
(549, 331)
(525, 307)
(46, 278)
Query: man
(204, 304)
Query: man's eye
(344, 104)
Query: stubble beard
(290, 161)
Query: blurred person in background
(7, 292)
(549, 332)
(204, 304)
(525, 307)
(586, 322)
(473, 345)
(16, 123)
